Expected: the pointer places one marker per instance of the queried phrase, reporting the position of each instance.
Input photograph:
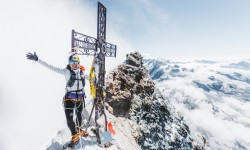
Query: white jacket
(67, 74)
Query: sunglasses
(73, 62)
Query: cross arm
(87, 45)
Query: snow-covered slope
(122, 139)
(213, 97)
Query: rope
(77, 124)
(76, 111)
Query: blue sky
(183, 29)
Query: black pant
(69, 106)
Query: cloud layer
(213, 98)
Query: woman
(74, 97)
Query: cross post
(87, 45)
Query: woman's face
(74, 66)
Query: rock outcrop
(132, 94)
(126, 81)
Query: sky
(179, 29)
(31, 95)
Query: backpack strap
(73, 78)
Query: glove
(31, 56)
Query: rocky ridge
(131, 93)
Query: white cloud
(32, 95)
(222, 118)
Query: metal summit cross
(87, 45)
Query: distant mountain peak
(206, 61)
